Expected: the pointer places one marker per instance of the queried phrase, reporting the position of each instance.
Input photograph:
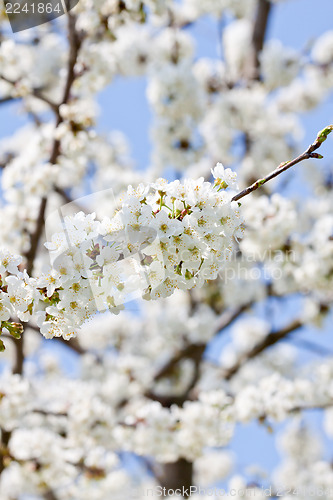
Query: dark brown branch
(49, 495)
(4, 100)
(75, 44)
(313, 347)
(5, 437)
(258, 36)
(75, 41)
(68, 199)
(309, 153)
(311, 408)
(35, 236)
(72, 343)
(47, 413)
(192, 351)
(195, 351)
(167, 400)
(228, 317)
(19, 355)
(36, 92)
(177, 476)
(264, 418)
(271, 339)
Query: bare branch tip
(322, 135)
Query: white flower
(58, 243)
(249, 332)
(213, 466)
(5, 307)
(107, 255)
(156, 274)
(279, 64)
(20, 295)
(166, 226)
(322, 51)
(225, 177)
(50, 281)
(9, 262)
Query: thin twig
(309, 153)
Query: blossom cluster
(164, 236)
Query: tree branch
(19, 355)
(49, 495)
(195, 351)
(313, 347)
(309, 153)
(192, 351)
(228, 317)
(75, 44)
(68, 199)
(258, 36)
(36, 92)
(5, 437)
(271, 339)
(177, 476)
(35, 236)
(8, 98)
(72, 343)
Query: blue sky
(294, 22)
